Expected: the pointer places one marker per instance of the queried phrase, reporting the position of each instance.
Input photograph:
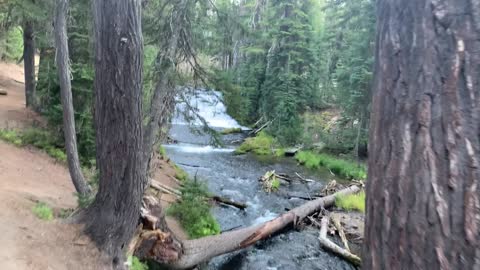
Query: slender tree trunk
(63, 68)
(29, 63)
(423, 191)
(163, 97)
(112, 218)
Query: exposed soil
(28, 176)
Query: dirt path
(29, 176)
(26, 177)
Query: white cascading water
(209, 105)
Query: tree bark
(112, 218)
(63, 68)
(160, 246)
(423, 191)
(29, 63)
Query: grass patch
(161, 151)
(180, 174)
(343, 168)
(262, 144)
(231, 131)
(43, 211)
(352, 202)
(11, 136)
(280, 152)
(39, 138)
(193, 211)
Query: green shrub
(343, 168)
(352, 202)
(279, 152)
(57, 154)
(193, 211)
(14, 44)
(43, 211)
(11, 136)
(261, 144)
(39, 138)
(231, 131)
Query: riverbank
(265, 145)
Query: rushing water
(236, 177)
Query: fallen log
(163, 188)
(164, 248)
(3, 92)
(332, 247)
(301, 196)
(227, 201)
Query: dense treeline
(283, 62)
(280, 60)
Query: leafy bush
(261, 144)
(352, 202)
(43, 211)
(343, 168)
(193, 211)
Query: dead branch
(341, 232)
(227, 201)
(334, 248)
(303, 178)
(163, 188)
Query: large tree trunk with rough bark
(29, 63)
(423, 191)
(112, 218)
(63, 68)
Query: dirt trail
(26, 177)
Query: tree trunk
(29, 63)
(63, 68)
(423, 191)
(112, 218)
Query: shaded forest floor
(29, 176)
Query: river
(236, 177)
